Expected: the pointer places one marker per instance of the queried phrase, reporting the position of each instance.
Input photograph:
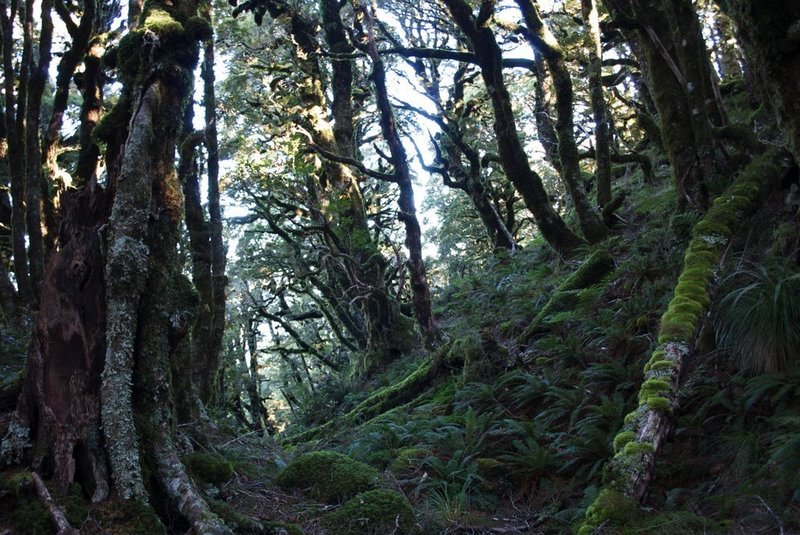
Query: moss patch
(328, 476)
(209, 468)
(371, 513)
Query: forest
(397, 267)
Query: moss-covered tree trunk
(545, 43)
(420, 289)
(99, 390)
(602, 141)
(649, 426)
(769, 32)
(678, 77)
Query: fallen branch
(597, 266)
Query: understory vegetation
(224, 308)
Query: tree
(116, 308)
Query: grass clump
(328, 476)
(758, 322)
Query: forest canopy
(456, 266)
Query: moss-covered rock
(328, 476)
(408, 461)
(209, 467)
(372, 513)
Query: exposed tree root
(58, 516)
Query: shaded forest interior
(372, 267)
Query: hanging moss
(372, 513)
(328, 476)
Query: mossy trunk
(591, 272)
(99, 388)
(407, 214)
(602, 141)
(652, 423)
(769, 32)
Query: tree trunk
(545, 42)
(591, 22)
(407, 214)
(15, 153)
(60, 401)
(218, 251)
(38, 77)
(768, 33)
(99, 380)
(512, 155)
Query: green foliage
(328, 476)
(373, 513)
(759, 320)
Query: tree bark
(421, 298)
(15, 154)
(38, 77)
(60, 401)
(769, 37)
(652, 423)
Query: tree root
(58, 516)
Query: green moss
(75, 506)
(161, 23)
(113, 123)
(140, 518)
(199, 29)
(659, 365)
(234, 519)
(611, 508)
(635, 448)
(622, 439)
(328, 476)
(677, 327)
(711, 228)
(659, 403)
(652, 387)
(408, 461)
(466, 349)
(209, 468)
(373, 512)
(128, 55)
